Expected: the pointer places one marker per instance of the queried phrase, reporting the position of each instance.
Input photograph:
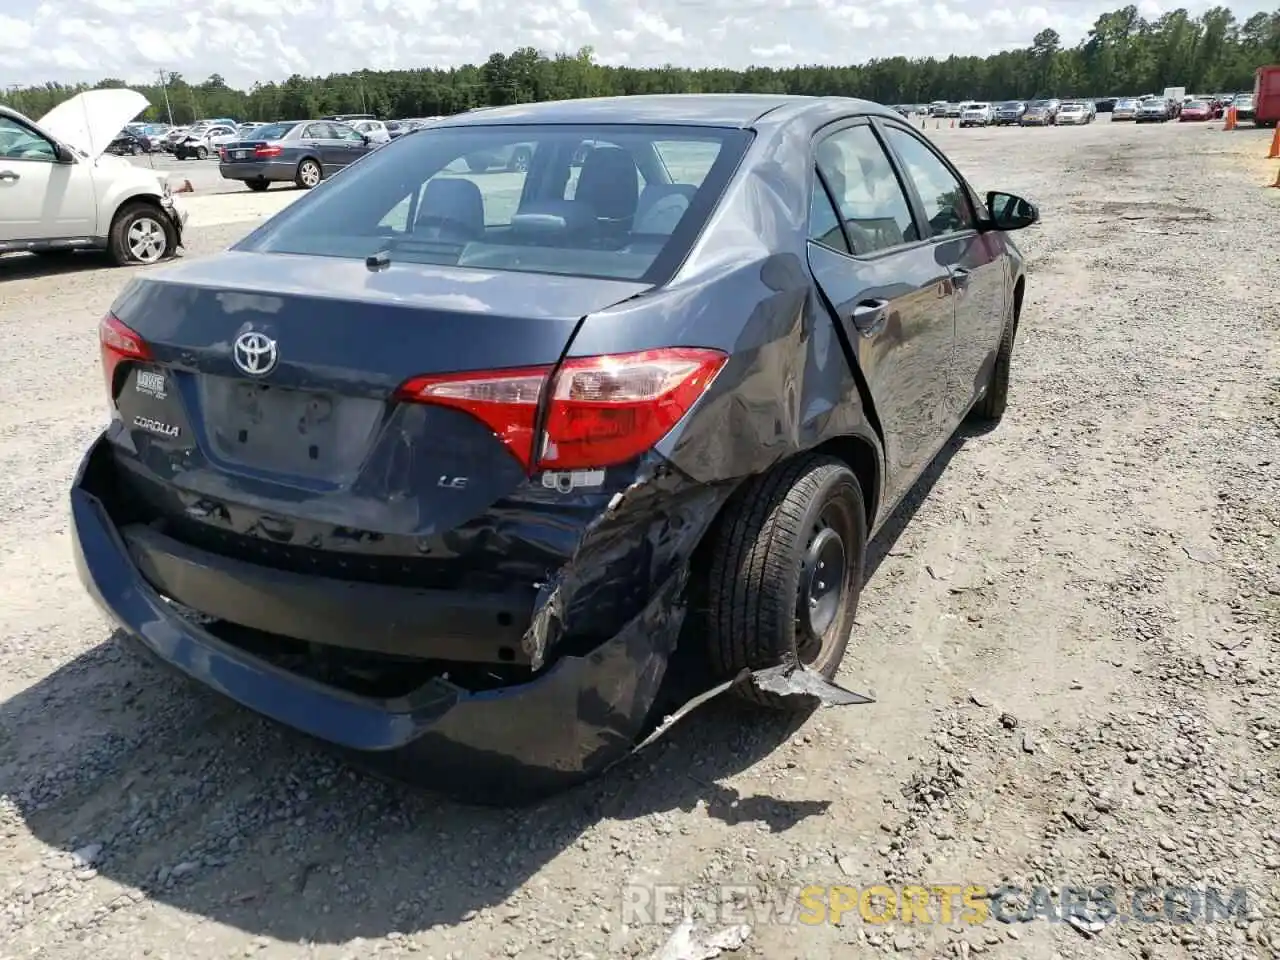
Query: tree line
(1123, 54)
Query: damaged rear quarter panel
(787, 387)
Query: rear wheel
(140, 233)
(785, 573)
(137, 150)
(202, 153)
(990, 409)
(258, 185)
(308, 175)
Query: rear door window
(866, 191)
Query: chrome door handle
(9, 176)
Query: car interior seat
(609, 183)
(452, 209)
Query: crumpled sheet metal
(661, 514)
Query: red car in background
(1195, 110)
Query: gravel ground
(1071, 628)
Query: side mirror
(63, 153)
(1011, 212)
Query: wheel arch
(1019, 290)
(138, 196)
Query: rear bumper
(505, 745)
(258, 170)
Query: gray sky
(248, 40)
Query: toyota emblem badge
(256, 353)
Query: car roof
(740, 110)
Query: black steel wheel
(785, 573)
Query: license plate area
(242, 154)
(301, 432)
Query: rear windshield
(620, 201)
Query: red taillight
(261, 152)
(601, 411)
(119, 344)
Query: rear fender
(786, 389)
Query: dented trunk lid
(319, 441)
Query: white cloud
(250, 40)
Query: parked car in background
(1126, 109)
(471, 455)
(171, 138)
(1104, 104)
(205, 143)
(1155, 110)
(1009, 112)
(302, 152)
(1074, 113)
(1196, 110)
(59, 192)
(938, 108)
(128, 143)
(1039, 113)
(375, 130)
(243, 130)
(1244, 107)
(975, 113)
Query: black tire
(309, 174)
(140, 227)
(763, 557)
(990, 409)
(202, 153)
(519, 161)
(136, 150)
(257, 185)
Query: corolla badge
(256, 353)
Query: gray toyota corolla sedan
(447, 467)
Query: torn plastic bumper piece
(786, 680)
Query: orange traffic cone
(1275, 145)
(1231, 119)
(185, 188)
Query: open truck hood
(89, 121)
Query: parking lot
(1071, 628)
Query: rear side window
(272, 131)
(611, 200)
(866, 191)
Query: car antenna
(378, 261)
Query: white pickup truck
(60, 190)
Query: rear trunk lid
(317, 435)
